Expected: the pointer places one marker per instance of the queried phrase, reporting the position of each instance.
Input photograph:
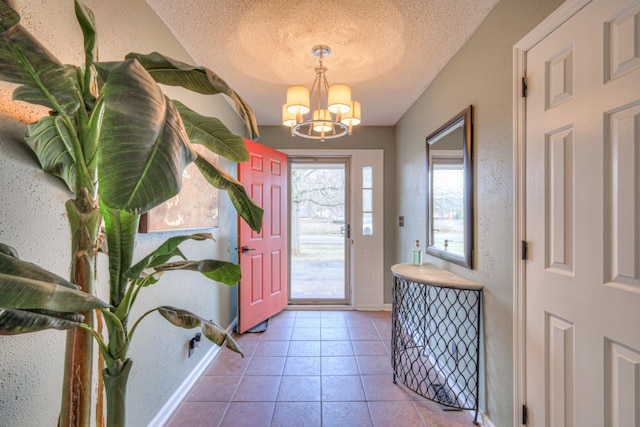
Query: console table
(436, 335)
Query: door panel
(582, 281)
(368, 230)
(263, 255)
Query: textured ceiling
(388, 51)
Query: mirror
(450, 190)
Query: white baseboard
(374, 307)
(485, 421)
(369, 307)
(166, 412)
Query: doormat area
(260, 327)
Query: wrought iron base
(436, 342)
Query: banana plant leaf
(33, 299)
(25, 61)
(220, 271)
(11, 265)
(50, 140)
(22, 293)
(247, 208)
(143, 147)
(211, 330)
(88, 26)
(211, 133)
(121, 228)
(164, 253)
(13, 322)
(24, 285)
(8, 250)
(172, 72)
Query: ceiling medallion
(331, 111)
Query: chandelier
(322, 112)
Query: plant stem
(115, 384)
(84, 219)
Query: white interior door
(582, 192)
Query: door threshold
(316, 307)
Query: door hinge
(525, 415)
(524, 253)
(524, 87)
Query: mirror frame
(466, 118)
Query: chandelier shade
(288, 118)
(339, 99)
(298, 100)
(332, 111)
(354, 116)
(322, 120)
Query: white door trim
(371, 298)
(546, 27)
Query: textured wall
(479, 74)
(32, 220)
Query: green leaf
(11, 265)
(14, 322)
(24, 285)
(121, 228)
(220, 271)
(212, 134)
(163, 253)
(88, 26)
(8, 250)
(50, 140)
(181, 318)
(247, 208)
(23, 293)
(211, 330)
(143, 147)
(118, 343)
(24, 60)
(171, 72)
(215, 333)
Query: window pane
(367, 177)
(367, 223)
(367, 200)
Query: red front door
(263, 256)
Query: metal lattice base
(436, 334)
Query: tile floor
(308, 369)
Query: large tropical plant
(120, 145)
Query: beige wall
(32, 219)
(480, 74)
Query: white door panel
(582, 191)
(368, 242)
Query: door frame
(369, 297)
(319, 160)
(520, 50)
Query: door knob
(246, 249)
